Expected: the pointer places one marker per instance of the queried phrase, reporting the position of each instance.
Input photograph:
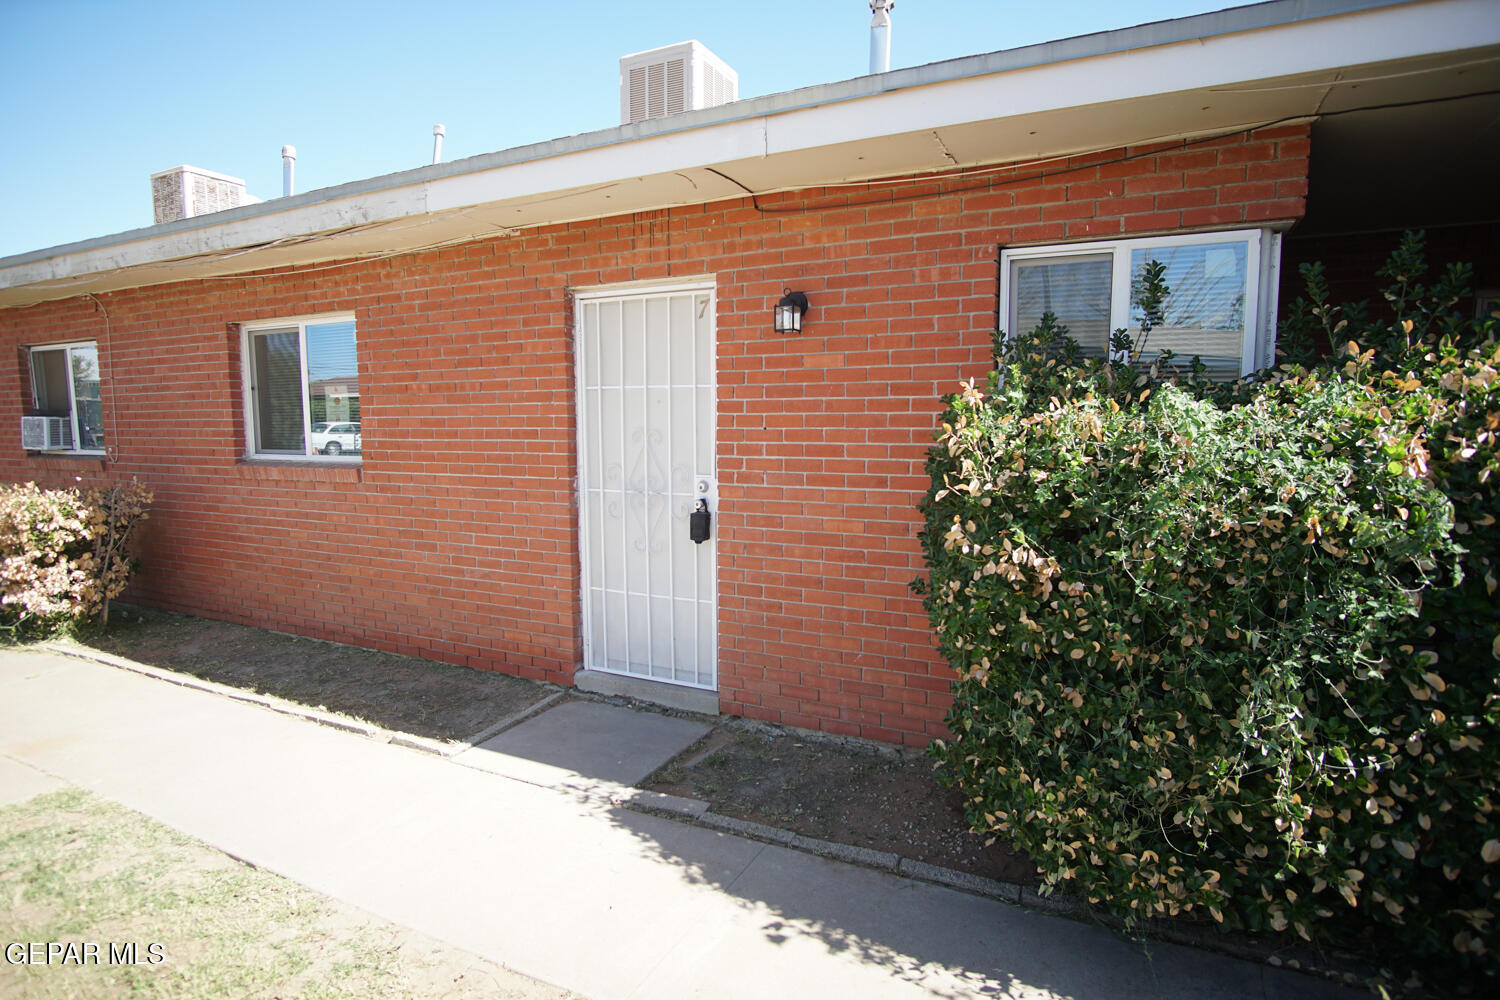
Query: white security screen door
(646, 458)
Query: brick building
(467, 411)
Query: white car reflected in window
(335, 439)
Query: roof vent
(183, 192)
(674, 79)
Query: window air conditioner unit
(46, 434)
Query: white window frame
(67, 349)
(248, 332)
(1263, 264)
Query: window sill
(66, 461)
(303, 471)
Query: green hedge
(1234, 651)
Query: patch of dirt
(851, 792)
(402, 693)
(860, 794)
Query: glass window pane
(333, 388)
(1204, 313)
(49, 388)
(278, 392)
(49, 381)
(1074, 289)
(84, 362)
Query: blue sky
(100, 95)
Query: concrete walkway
(533, 871)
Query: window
(1486, 303)
(1221, 306)
(302, 389)
(65, 385)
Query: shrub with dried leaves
(64, 553)
(1235, 651)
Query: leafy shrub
(1234, 650)
(63, 552)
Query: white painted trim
(1270, 269)
(280, 321)
(68, 343)
(1217, 61)
(1166, 239)
(702, 283)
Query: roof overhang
(1199, 76)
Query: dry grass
(78, 869)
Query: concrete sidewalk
(555, 882)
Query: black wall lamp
(789, 312)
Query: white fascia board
(593, 167)
(1217, 61)
(602, 165)
(1322, 46)
(255, 231)
(1070, 74)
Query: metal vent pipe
(437, 143)
(288, 158)
(880, 35)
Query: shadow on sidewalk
(949, 943)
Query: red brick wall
(457, 538)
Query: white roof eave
(1190, 76)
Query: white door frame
(594, 660)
